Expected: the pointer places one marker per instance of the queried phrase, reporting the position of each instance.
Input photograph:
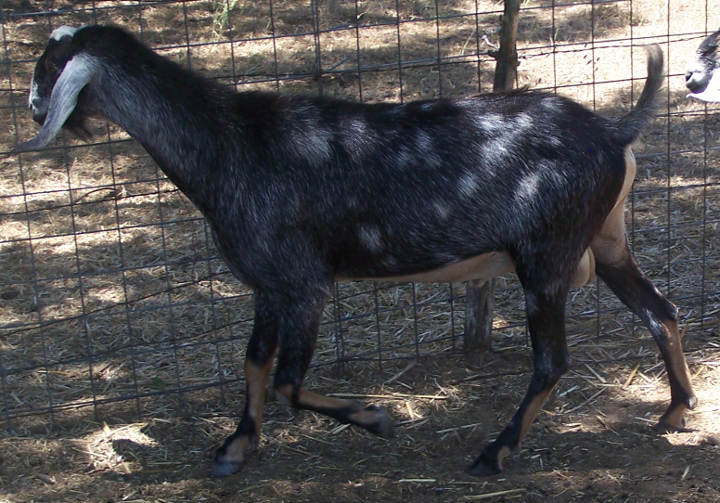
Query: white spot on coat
(527, 188)
(523, 121)
(357, 139)
(441, 210)
(489, 123)
(313, 144)
(403, 158)
(468, 184)
(423, 142)
(494, 151)
(371, 237)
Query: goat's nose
(694, 81)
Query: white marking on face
(63, 31)
(371, 237)
(78, 72)
(33, 93)
(695, 67)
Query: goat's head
(703, 72)
(61, 73)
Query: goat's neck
(175, 122)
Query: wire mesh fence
(112, 292)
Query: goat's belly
(486, 266)
(480, 267)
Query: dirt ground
(594, 441)
(169, 324)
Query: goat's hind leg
(258, 363)
(615, 264)
(621, 273)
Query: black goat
(301, 191)
(703, 74)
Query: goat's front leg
(546, 321)
(258, 363)
(297, 341)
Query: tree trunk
(479, 296)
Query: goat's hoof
(231, 455)
(383, 424)
(663, 427)
(673, 420)
(223, 468)
(484, 466)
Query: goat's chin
(79, 128)
(708, 96)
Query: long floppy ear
(78, 72)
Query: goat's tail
(628, 128)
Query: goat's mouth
(696, 83)
(39, 117)
(76, 124)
